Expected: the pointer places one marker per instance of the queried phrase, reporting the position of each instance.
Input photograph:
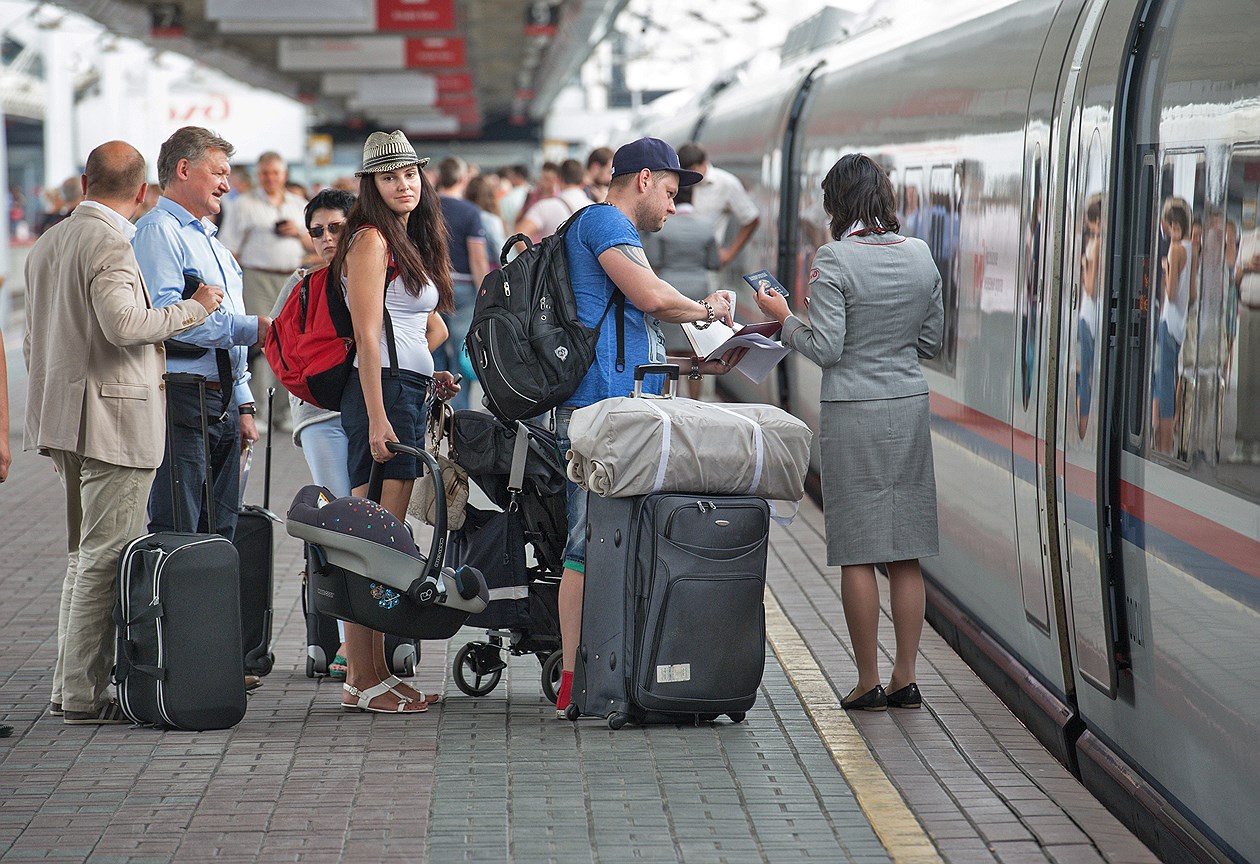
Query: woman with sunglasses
(318, 431)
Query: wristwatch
(248, 408)
(694, 374)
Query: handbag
(454, 477)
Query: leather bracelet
(712, 316)
(248, 409)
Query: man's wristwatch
(248, 409)
(694, 374)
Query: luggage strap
(126, 664)
(520, 451)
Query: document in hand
(763, 355)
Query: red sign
(454, 82)
(395, 15)
(440, 52)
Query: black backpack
(528, 346)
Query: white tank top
(1173, 313)
(410, 317)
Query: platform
(500, 779)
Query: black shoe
(907, 697)
(108, 714)
(54, 708)
(871, 700)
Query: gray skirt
(879, 485)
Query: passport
(762, 279)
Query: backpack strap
(618, 299)
(391, 273)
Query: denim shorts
(405, 395)
(1166, 353)
(575, 501)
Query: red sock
(563, 697)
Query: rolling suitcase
(255, 543)
(673, 624)
(178, 658)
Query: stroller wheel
(475, 673)
(551, 670)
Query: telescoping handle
(669, 370)
(271, 423)
(200, 382)
(424, 588)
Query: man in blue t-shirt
(604, 253)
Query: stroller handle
(424, 589)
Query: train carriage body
(1087, 174)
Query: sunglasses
(334, 228)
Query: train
(1087, 175)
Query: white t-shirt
(1173, 313)
(550, 213)
(720, 197)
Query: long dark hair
(419, 251)
(857, 189)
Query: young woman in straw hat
(394, 230)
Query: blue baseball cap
(653, 154)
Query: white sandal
(427, 699)
(364, 699)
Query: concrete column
(56, 48)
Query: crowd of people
(194, 283)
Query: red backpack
(310, 345)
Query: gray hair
(191, 143)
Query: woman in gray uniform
(874, 310)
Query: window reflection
(1175, 305)
(1088, 316)
(1032, 281)
(1240, 333)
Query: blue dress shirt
(170, 242)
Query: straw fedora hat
(388, 152)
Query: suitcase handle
(424, 589)
(669, 370)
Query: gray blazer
(874, 310)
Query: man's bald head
(114, 171)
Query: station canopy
(486, 69)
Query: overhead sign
(332, 16)
(370, 53)
(413, 89)
(436, 53)
(410, 15)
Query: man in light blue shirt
(173, 241)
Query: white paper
(716, 339)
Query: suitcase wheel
(617, 719)
(551, 670)
(310, 667)
(264, 664)
(408, 666)
(737, 717)
(478, 668)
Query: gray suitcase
(673, 621)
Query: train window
(1239, 333)
(944, 189)
(912, 204)
(1031, 320)
(1139, 304)
(1174, 303)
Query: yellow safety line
(894, 822)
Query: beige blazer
(92, 345)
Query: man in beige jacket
(95, 405)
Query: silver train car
(1087, 174)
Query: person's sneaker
(108, 714)
(564, 695)
(252, 683)
(54, 708)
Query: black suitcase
(255, 544)
(178, 659)
(673, 626)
